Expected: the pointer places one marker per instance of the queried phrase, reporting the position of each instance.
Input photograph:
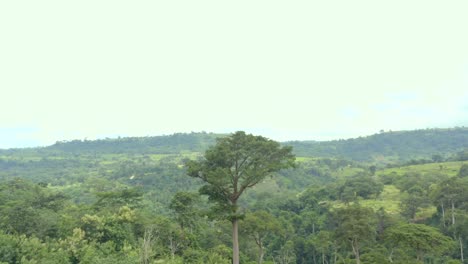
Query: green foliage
(412, 201)
(463, 171)
(195, 142)
(355, 226)
(130, 201)
(27, 208)
(117, 198)
(233, 165)
(236, 163)
(363, 185)
(31, 250)
(389, 147)
(422, 239)
(183, 206)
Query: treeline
(383, 148)
(437, 158)
(389, 147)
(194, 142)
(171, 144)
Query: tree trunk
(443, 212)
(235, 241)
(453, 213)
(355, 246)
(461, 248)
(390, 257)
(419, 255)
(261, 253)
(172, 247)
(261, 250)
(146, 246)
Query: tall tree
(183, 206)
(235, 163)
(259, 225)
(422, 239)
(355, 225)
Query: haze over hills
(392, 146)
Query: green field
(448, 168)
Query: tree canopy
(234, 164)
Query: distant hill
(389, 146)
(386, 147)
(171, 144)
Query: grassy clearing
(389, 199)
(305, 159)
(448, 168)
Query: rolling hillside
(389, 147)
(386, 147)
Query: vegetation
(430, 145)
(233, 165)
(120, 201)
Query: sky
(287, 70)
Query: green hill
(388, 147)
(171, 144)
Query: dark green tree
(363, 185)
(235, 163)
(412, 201)
(259, 225)
(423, 239)
(183, 206)
(355, 225)
(463, 172)
(451, 193)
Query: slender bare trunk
(461, 248)
(235, 241)
(146, 246)
(419, 256)
(453, 213)
(261, 254)
(172, 247)
(261, 250)
(355, 246)
(443, 212)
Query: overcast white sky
(284, 69)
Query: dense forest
(393, 197)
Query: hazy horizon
(211, 132)
(299, 70)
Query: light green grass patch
(448, 168)
(389, 199)
(305, 159)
